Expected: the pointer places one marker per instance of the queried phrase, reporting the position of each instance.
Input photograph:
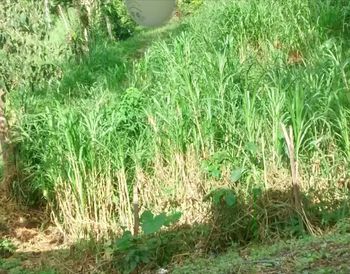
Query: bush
(122, 24)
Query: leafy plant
(7, 248)
(9, 264)
(189, 6)
(236, 174)
(133, 251)
(122, 25)
(151, 224)
(214, 164)
(221, 195)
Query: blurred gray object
(151, 13)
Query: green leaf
(252, 148)
(230, 198)
(217, 195)
(256, 192)
(226, 194)
(160, 219)
(150, 228)
(147, 216)
(236, 174)
(173, 218)
(145, 259)
(216, 173)
(152, 225)
(133, 265)
(212, 168)
(125, 242)
(220, 157)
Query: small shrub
(7, 248)
(122, 24)
(132, 252)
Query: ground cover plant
(240, 122)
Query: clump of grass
(7, 248)
(298, 255)
(203, 105)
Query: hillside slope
(199, 110)
(190, 119)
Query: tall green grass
(203, 110)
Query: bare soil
(35, 243)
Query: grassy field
(191, 117)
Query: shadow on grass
(66, 260)
(259, 217)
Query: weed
(7, 248)
(133, 251)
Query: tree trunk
(9, 170)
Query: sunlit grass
(202, 104)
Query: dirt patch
(31, 243)
(30, 230)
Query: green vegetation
(131, 251)
(6, 248)
(13, 266)
(329, 254)
(193, 117)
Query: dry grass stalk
(139, 179)
(95, 214)
(295, 180)
(124, 206)
(178, 185)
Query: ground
(327, 254)
(29, 243)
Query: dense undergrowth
(191, 116)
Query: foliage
(27, 57)
(189, 6)
(10, 264)
(197, 110)
(13, 266)
(31, 50)
(223, 195)
(133, 251)
(319, 255)
(123, 26)
(6, 248)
